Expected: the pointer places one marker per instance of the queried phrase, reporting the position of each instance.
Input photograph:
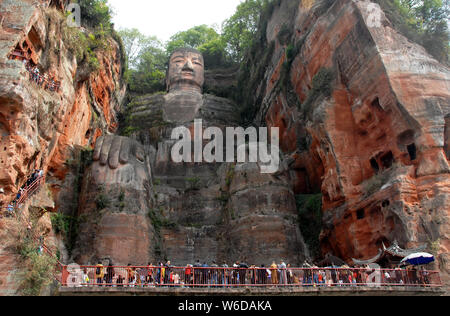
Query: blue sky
(164, 18)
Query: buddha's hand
(117, 150)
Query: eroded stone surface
(44, 129)
(377, 146)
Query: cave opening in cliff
(387, 160)
(382, 241)
(374, 164)
(360, 214)
(35, 39)
(412, 151)
(376, 104)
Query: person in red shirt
(187, 274)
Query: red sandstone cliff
(44, 129)
(374, 144)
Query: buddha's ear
(167, 77)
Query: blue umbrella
(418, 259)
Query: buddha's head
(186, 70)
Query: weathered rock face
(263, 224)
(369, 126)
(38, 126)
(44, 129)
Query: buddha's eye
(177, 60)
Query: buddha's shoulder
(145, 109)
(146, 101)
(212, 100)
(219, 109)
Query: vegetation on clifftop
(147, 56)
(422, 21)
(95, 36)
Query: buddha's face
(186, 71)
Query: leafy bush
(321, 85)
(37, 269)
(194, 183)
(84, 46)
(68, 227)
(121, 197)
(39, 274)
(60, 223)
(158, 221)
(102, 201)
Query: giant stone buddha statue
(146, 188)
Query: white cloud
(164, 18)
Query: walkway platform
(249, 291)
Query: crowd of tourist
(241, 274)
(32, 178)
(43, 80)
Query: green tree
(431, 17)
(150, 71)
(137, 44)
(429, 13)
(194, 38)
(204, 38)
(240, 29)
(95, 13)
(422, 21)
(214, 53)
(147, 61)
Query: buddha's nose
(188, 66)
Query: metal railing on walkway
(195, 277)
(30, 190)
(23, 195)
